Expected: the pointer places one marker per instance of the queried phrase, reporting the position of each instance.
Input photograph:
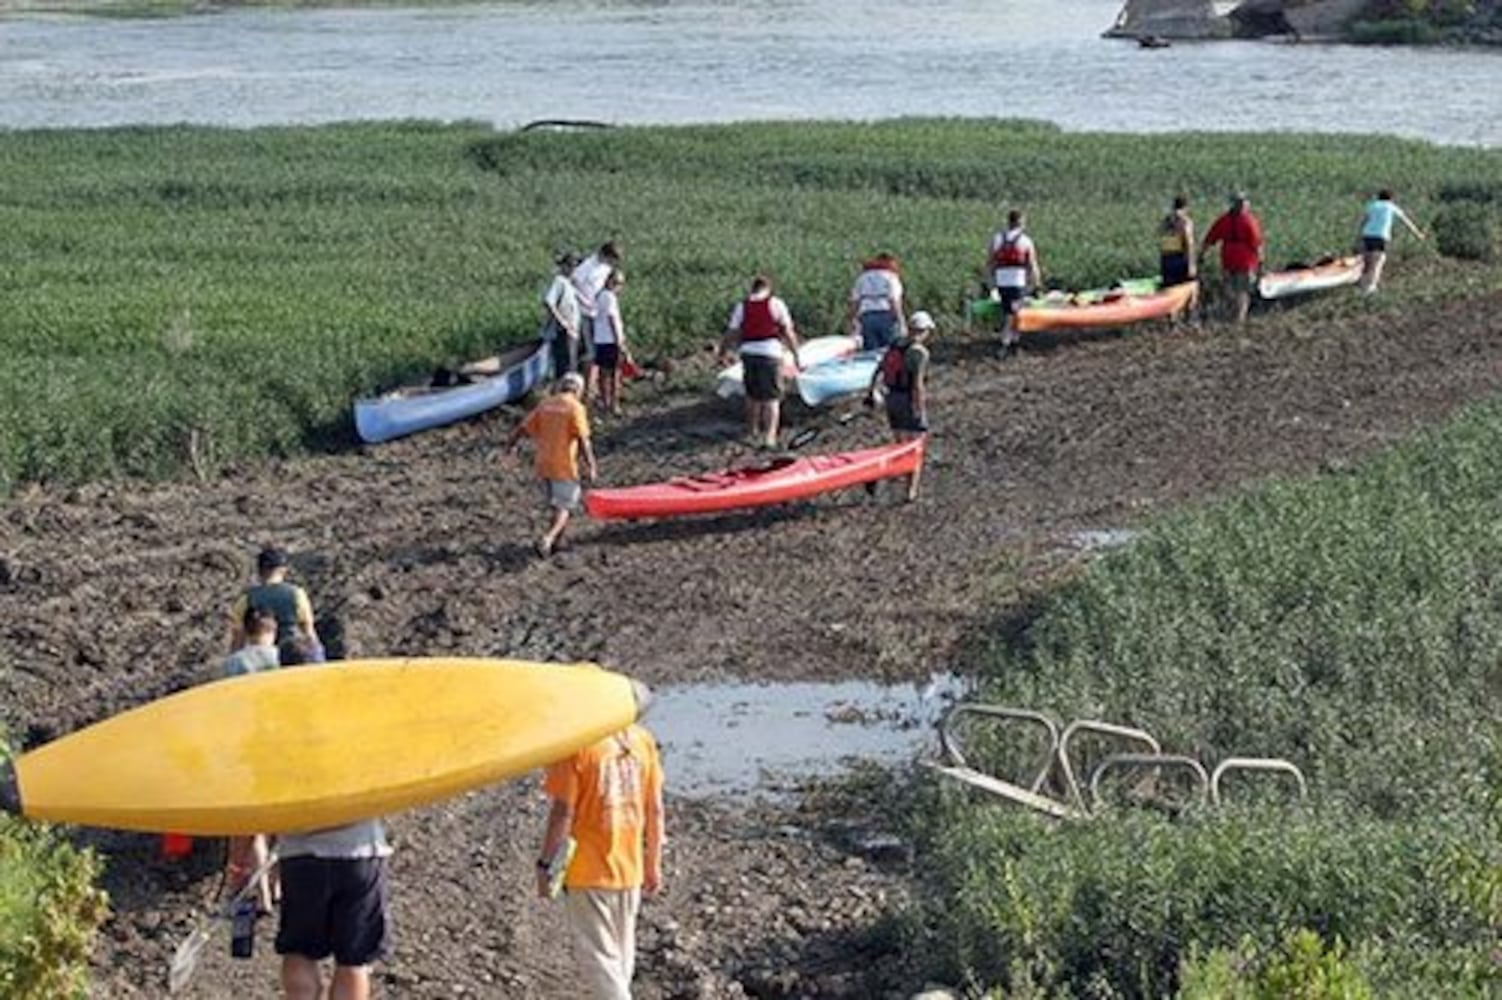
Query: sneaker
(543, 547)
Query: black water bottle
(242, 932)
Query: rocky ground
(114, 594)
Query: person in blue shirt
(1376, 233)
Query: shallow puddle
(726, 739)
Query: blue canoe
(497, 381)
(818, 384)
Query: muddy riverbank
(113, 594)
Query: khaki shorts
(562, 494)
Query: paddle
(188, 953)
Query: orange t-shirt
(556, 426)
(609, 785)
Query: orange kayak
(778, 481)
(1118, 310)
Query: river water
(637, 61)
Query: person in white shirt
(876, 310)
(561, 316)
(588, 278)
(760, 327)
(610, 342)
(1012, 262)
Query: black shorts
(1373, 244)
(1010, 299)
(607, 356)
(333, 907)
(1174, 268)
(565, 351)
(900, 415)
(763, 378)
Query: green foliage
(1301, 969)
(1117, 908)
(177, 295)
(1468, 232)
(1348, 622)
(50, 911)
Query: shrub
(1126, 905)
(50, 911)
(1468, 232)
(1303, 968)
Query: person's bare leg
(1243, 305)
(1378, 259)
(350, 983)
(301, 979)
(555, 531)
(774, 417)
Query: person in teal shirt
(1376, 233)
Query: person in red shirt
(1239, 234)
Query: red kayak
(778, 481)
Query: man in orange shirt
(559, 429)
(608, 798)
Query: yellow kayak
(316, 746)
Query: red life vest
(1011, 253)
(894, 373)
(757, 322)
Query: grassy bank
(171, 293)
(1348, 622)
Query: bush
(1301, 969)
(1120, 908)
(1468, 232)
(50, 911)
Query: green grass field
(1347, 622)
(239, 288)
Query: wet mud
(114, 594)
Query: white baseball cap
(921, 321)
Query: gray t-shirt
(355, 842)
(252, 660)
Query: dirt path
(110, 595)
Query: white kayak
(731, 382)
(821, 383)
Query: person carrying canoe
(334, 905)
(559, 429)
(1012, 262)
(611, 354)
(1176, 261)
(1376, 233)
(761, 330)
(561, 317)
(1239, 234)
(902, 377)
(876, 308)
(608, 798)
(287, 602)
(588, 278)
(247, 855)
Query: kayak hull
(758, 486)
(820, 384)
(1108, 312)
(314, 747)
(1303, 280)
(988, 310)
(410, 410)
(731, 383)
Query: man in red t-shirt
(1240, 237)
